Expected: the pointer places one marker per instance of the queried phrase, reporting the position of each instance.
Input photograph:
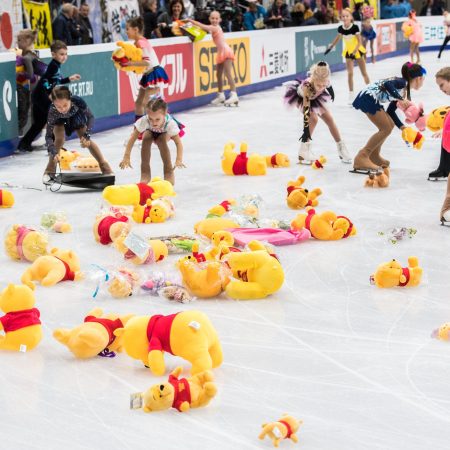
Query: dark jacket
(283, 11)
(150, 23)
(86, 33)
(65, 29)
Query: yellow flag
(39, 18)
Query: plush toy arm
(245, 290)
(184, 407)
(247, 260)
(156, 362)
(177, 372)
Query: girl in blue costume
(370, 101)
(368, 35)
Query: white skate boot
(219, 100)
(445, 220)
(232, 100)
(343, 152)
(305, 155)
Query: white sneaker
(343, 152)
(351, 97)
(40, 141)
(232, 100)
(219, 100)
(305, 155)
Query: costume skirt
(157, 77)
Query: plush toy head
(392, 274)
(414, 114)
(16, 297)
(154, 211)
(158, 397)
(123, 284)
(6, 199)
(66, 158)
(319, 163)
(23, 243)
(435, 120)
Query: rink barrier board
(179, 58)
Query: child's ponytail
(409, 72)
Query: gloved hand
(413, 137)
(328, 50)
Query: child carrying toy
(353, 49)
(370, 101)
(312, 96)
(67, 114)
(412, 29)
(156, 126)
(155, 77)
(224, 59)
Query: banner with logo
(433, 30)
(38, 18)
(386, 38)
(177, 60)
(10, 23)
(118, 12)
(273, 56)
(310, 48)
(205, 64)
(8, 108)
(401, 42)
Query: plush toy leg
(294, 438)
(55, 275)
(156, 362)
(241, 290)
(216, 354)
(201, 363)
(27, 279)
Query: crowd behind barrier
(264, 59)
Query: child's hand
(75, 77)
(179, 164)
(85, 142)
(125, 163)
(437, 135)
(405, 103)
(56, 158)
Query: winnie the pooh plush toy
(207, 227)
(127, 52)
(436, 119)
(156, 251)
(298, 197)
(154, 211)
(392, 274)
(319, 164)
(240, 164)
(413, 137)
(220, 209)
(138, 194)
(278, 160)
(6, 199)
(188, 334)
(283, 428)
(95, 336)
(25, 244)
(326, 226)
(66, 158)
(414, 115)
(108, 227)
(21, 325)
(123, 283)
(59, 265)
(180, 393)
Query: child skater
(155, 76)
(224, 59)
(156, 126)
(312, 96)
(412, 29)
(368, 34)
(353, 49)
(370, 100)
(447, 33)
(67, 114)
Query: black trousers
(444, 162)
(39, 118)
(447, 38)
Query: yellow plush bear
(188, 334)
(283, 428)
(156, 251)
(222, 208)
(240, 164)
(392, 274)
(413, 137)
(326, 226)
(319, 164)
(180, 393)
(138, 194)
(207, 227)
(66, 158)
(25, 244)
(6, 199)
(21, 325)
(298, 197)
(108, 227)
(127, 52)
(442, 333)
(123, 283)
(154, 211)
(257, 273)
(95, 336)
(435, 120)
(59, 265)
(278, 160)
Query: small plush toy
(392, 274)
(414, 115)
(56, 222)
(123, 283)
(154, 211)
(66, 158)
(177, 243)
(20, 324)
(407, 29)
(240, 164)
(284, 428)
(166, 285)
(95, 336)
(188, 334)
(442, 333)
(278, 160)
(59, 265)
(6, 199)
(220, 209)
(413, 137)
(138, 194)
(379, 179)
(207, 227)
(299, 197)
(319, 163)
(155, 250)
(180, 393)
(326, 226)
(25, 244)
(127, 52)
(436, 119)
(110, 226)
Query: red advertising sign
(386, 39)
(177, 60)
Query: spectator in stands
(255, 16)
(166, 20)
(432, 8)
(357, 13)
(86, 33)
(189, 8)
(237, 24)
(297, 14)
(318, 18)
(64, 27)
(150, 17)
(308, 11)
(331, 16)
(406, 8)
(278, 15)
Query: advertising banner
(38, 18)
(401, 42)
(205, 64)
(310, 48)
(273, 56)
(95, 16)
(118, 12)
(8, 109)
(10, 23)
(386, 38)
(433, 30)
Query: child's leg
(331, 124)
(228, 69)
(220, 77)
(372, 51)
(362, 67)
(96, 153)
(39, 119)
(349, 64)
(447, 38)
(163, 146)
(411, 51)
(418, 53)
(313, 119)
(445, 210)
(147, 141)
(58, 132)
(141, 101)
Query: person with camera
(166, 20)
(255, 17)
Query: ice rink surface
(354, 362)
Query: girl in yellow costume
(353, 48)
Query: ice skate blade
(445, 223)
(345, 161)
(230, 105)
(365, 171)
(437, 179)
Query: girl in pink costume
(224, 59)
(413, 28)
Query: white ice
(354, 362)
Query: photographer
(278, 15)
(255, 17)
(165, 20)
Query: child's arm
(49, 138)
(208, 28)
(335, 41)
(126, 157)
(179, 161)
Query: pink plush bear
(414, 115)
